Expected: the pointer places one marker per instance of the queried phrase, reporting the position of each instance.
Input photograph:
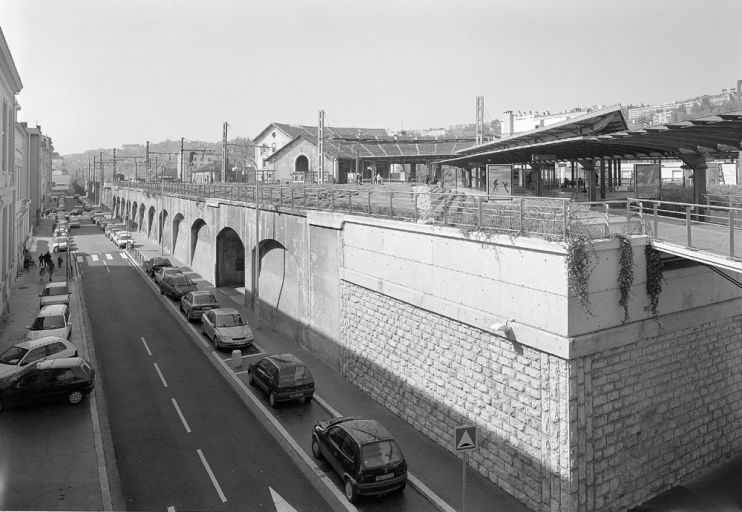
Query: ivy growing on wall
(578, 269)
(625, 272)
(654, 277)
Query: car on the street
(61, 232)
(56, 292)
(283, 377)
(112, 232)
(76, 211)
(110, 226)
(21, 354)
(95, 213)
(124, 239)
(69, 379)
(74, 221)
(151, 265)
(176, 286)
(86, 207)
(363, 454)
(52, 320)
(226, 328)
(194, 304)
(161, 272)
(58, 244)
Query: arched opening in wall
(150, 220)
(199, 233)
(131, 217)
(230, 259)
(177, 239)
(277, 298)
(301, 167)
(140, 217)
(162, 222)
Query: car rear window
(229, 320)
(57, 290)
(47, 322)
(163, 262)
(292, 375)
(13, 355)
(204, 299)
(182, 281)
(380, 453)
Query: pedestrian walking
(41, 261)
(51, 270)
(378, 178)
(59, 261)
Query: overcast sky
(103, 73)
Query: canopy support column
(697, 162)
(602, 178)
(589, 167)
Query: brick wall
(438, 373)
(656, 413)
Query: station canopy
(603, 134)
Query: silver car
(55, 293)
(226, 328)
(21, 354)
(195, 304)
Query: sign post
(464, 441)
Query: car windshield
(204, 299)
(57, 290)
(163, 262)
(380, 453)
(13, 355)
(47, 322)
(182, 281)
(291, 375)
(124, 237)
(229, 320)
(172, 271)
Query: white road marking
(171, 509)
(211, 475)
(281, 504)
(146, 346)
(182, 418)
(160, 374)
(94, 257)
(109, 257)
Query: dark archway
(199, 241)
(140, 217)
(230, 259)
(178, 244)
(150, 220)
(301, 165)
(162, 222)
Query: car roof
(62, 362)
(285, 360)
(57, 284)
(53, 310)
(31, 344)
(159, 258)
(225, 311)
(201, 292)
(163, 269)
(365, 431)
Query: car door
(207, 324)
(262, 374)
(36, 354)
(187, 303)
(335, 439)
(348, 455)
(59, 382)
(31, 387)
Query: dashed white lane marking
(211, 475)
(160, 374)
(182, 418)
(94, 257)
(146, 346)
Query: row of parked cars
(46, 366)
(361, 451)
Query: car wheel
(162, 291)
(250, 378)
(75, 397)
(272, 399)
(401, 489)
(308, 399)
(315, 448)
(350, 491)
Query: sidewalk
(435, 471)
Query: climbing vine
(654, 277)
(625, 272)
(578, 269)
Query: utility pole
(92, 179)
(321, 147)
(100, 190)
(114, 164)
(182, 174)
(147, 159)
(224, 152)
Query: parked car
(283, 377)
(124, 239)
(194, 304)
(94, 214)
(69, 379)
(55, 293)
(74, 221)
(61, 232)
(53, 320)
(363, 453)
(176, 286)
(151, 265)
(19, 355)
(86, 207)
(112, 232)
(226, 328)
(58, 244)
(110, 226)
(166, 271)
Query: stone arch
(180, 238)
(230, 259)
(132, 216)
(279, 293)
(139, 219)
(161, 224)
(301, 164)
(150, 220)
(200, 254)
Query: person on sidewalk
(41, 261)
(59, 261)
(51, 270)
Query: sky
(104, 73)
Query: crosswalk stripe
(109, 257)
(94, 257)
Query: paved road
(182, 437)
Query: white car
(55, 293)
(21, 354)
(58, 244)
(74, 221)
(123, 239)
(52, 320)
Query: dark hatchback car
(284, 377)
(177, 286)
(152, 264)
(364, 455)
(68, 379)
